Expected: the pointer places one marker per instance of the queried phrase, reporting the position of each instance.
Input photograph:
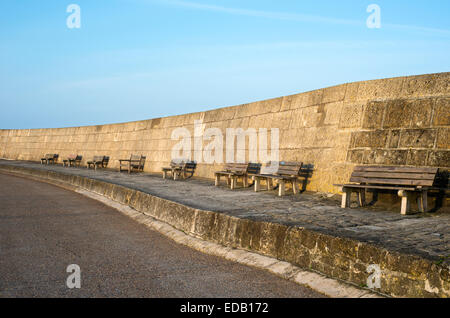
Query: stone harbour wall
(395, 121)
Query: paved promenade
(45, 228)
(426, 235)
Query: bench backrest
(254, 168)
(393, 175)
(186, 165)
(78, 158)
(177, 163)
(288, 168)
(105, 161)
(135, 158)
(236, 167)
(142, 161)
(98, 158)
(190, 166)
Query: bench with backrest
(407, 181)
(136, 162)
(138, 165)
(233, 171)
(180, 169)
(98, 161)
(286, 172)
(50, 158)
(72, 160)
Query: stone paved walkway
(426, 235)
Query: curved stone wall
(396, 121)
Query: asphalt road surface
(44, 229)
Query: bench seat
(286, 172)
(405, 180)
(232, 172)
(180, 169)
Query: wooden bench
(405, 180)
(180, 169)
(72, 160)
(233, 171)
(98, 161)
(286, 172)
(135, 162)
(50, 158)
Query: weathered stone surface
(387, 157)
(373, 115)
(421, 111)
(426, 85)
(417, 138)
(398, 114)
(417, 157)
(443, 138)
(439, 158)
(351, 116)
(394, 138)
(442, 112)
(372, 139)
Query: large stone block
(357, 156)
(388, 88)
(373, 115)
(443, 138)
(440, 158)
(442, 112)
(421, 110)
(372, 139)
(332, 112)
(417, 157)
(351, 115)
(387, 157)
(333, 94)
(417, 138)
(398, 114)
(394, 138)
(427, 85)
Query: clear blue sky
(140, 59)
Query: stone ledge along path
(423, 237)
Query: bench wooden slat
(392, 181)
(361, 186)
(396, 169)
(394, 175)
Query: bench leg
(257, 184)
(233, 182)
(295, 186)
(406, 201)
(362, 197)
(164, 174)
(269, 184)
(228, 180)
(422, 201)
(346, 196)
(281, 188)
(217, 182)
(175, 175)
(245, 181)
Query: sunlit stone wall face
(397, 121)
